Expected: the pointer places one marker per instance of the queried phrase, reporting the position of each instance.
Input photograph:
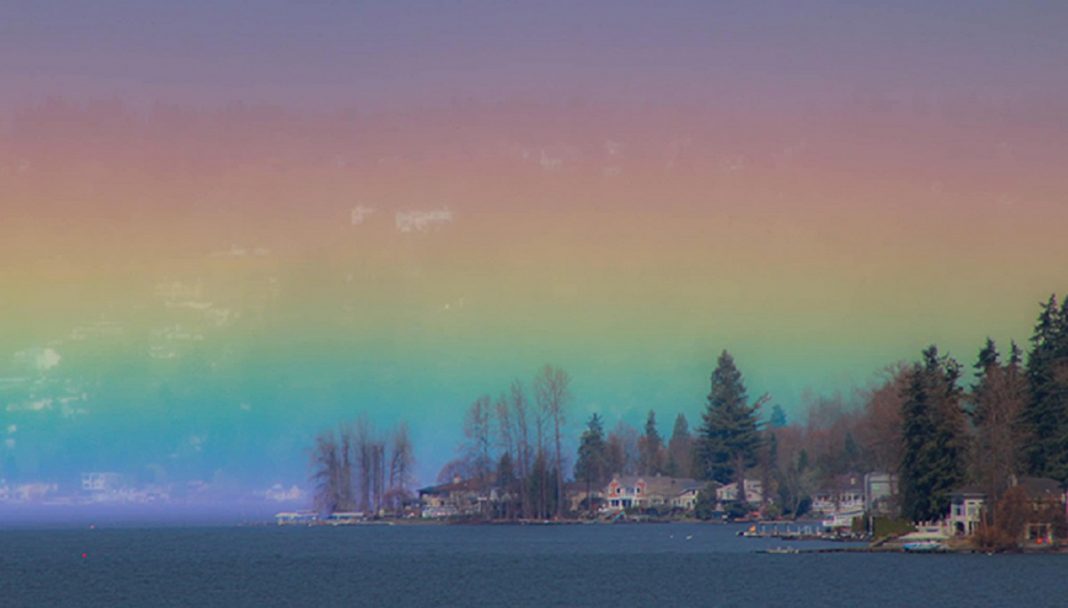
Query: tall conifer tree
(730, 433)
(651, 448)
(680, 449)
(1046, 416)
(933, 463)
(591, 467)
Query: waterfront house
(1046, 499)
(754, 492)
(458, 498)
(650, 491)
(841, 494)
(965, 510)
(854, 494)
(686, 500)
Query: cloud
(30, 406)
(278, 493)
(359, 214)
(47, 359)
(421, 221)
(236, 251)
(39, 359)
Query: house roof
(1038, 487)
(850, 482)
(659, 484)
(463, 485)
(970, 490)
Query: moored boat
(783, 550)
(924, 546)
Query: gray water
(626, 565)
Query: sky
(225, 226)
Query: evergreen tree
(680, 449)
(850, 454)
(989, 359)
(505, 472)
(919, 438)
(651, 448)
(777, 420)
(730, 433)
(592, 462)
(988, 356)
(1016, 356)
(540, 485)
(1045, 418)
(933, 464)
(591, 466)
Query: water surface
(625, 565)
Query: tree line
(922, 421)
(938, 431)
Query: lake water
(625, 565)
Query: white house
(754, 492)
(843, 494)
(966, 510)
(630, 491)
(687, 498)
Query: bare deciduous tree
(478, 434)
(401, 464)
(552, 388)
(522, 441)
(999, 401)
(326, 472)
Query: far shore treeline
(933, 422)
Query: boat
(750, 532)
(783, 550)
(924, 546)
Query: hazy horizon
(224, 230)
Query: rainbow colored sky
(223, 228)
